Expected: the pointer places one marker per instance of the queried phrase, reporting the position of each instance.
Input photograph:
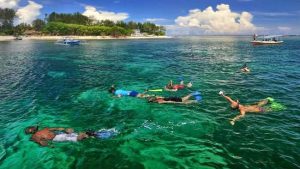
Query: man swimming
(176, 100)
(174, 87)
(132, 93)
(245, 68)
(258, 108)
(42, 137)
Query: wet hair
(31, 129)
(237, 106)
(152, 100)
(112, 89)
(90, 133)
(244, 66)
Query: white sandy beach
(7, 38)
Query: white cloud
(220, 21)
(99, 15)
(9, 3)
(29, 12)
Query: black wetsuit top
(174, 99)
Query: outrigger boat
(266, 40)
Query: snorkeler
(245, 68)
(132, 93)
(174, 87)
(176, 100)
(42, 137)
(258, 108)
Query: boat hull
(266, 42)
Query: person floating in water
(174, 87)
(177, 100)
(245, 68)
(257, 108)
(132, 93)
(42, 137)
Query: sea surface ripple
(66, 86)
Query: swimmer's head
(112, 89)
(152, 100)
(31, 129)
(82, 136)
(69, 130)
(235, 105)
(90, 133)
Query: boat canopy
(269, 36)
(273, 36)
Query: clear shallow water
(67, 86)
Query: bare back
(43, 136)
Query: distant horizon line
(235, 35)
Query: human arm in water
(172, 90)
(57, 129)
(227, 97)
(242, 114)
(233, 104)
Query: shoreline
(8, 38)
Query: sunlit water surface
(62, 86)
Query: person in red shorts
(174, 87)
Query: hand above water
(232, 122)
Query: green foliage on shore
(74, 24)
(75, 18)
(59, 28)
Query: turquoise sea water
(63, 86)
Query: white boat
(18, 38)
(266, 40)
(69, 41)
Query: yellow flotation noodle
(155, 90)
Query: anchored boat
(266, 40)
(18, 38)
(69, 41)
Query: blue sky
(268, 16)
